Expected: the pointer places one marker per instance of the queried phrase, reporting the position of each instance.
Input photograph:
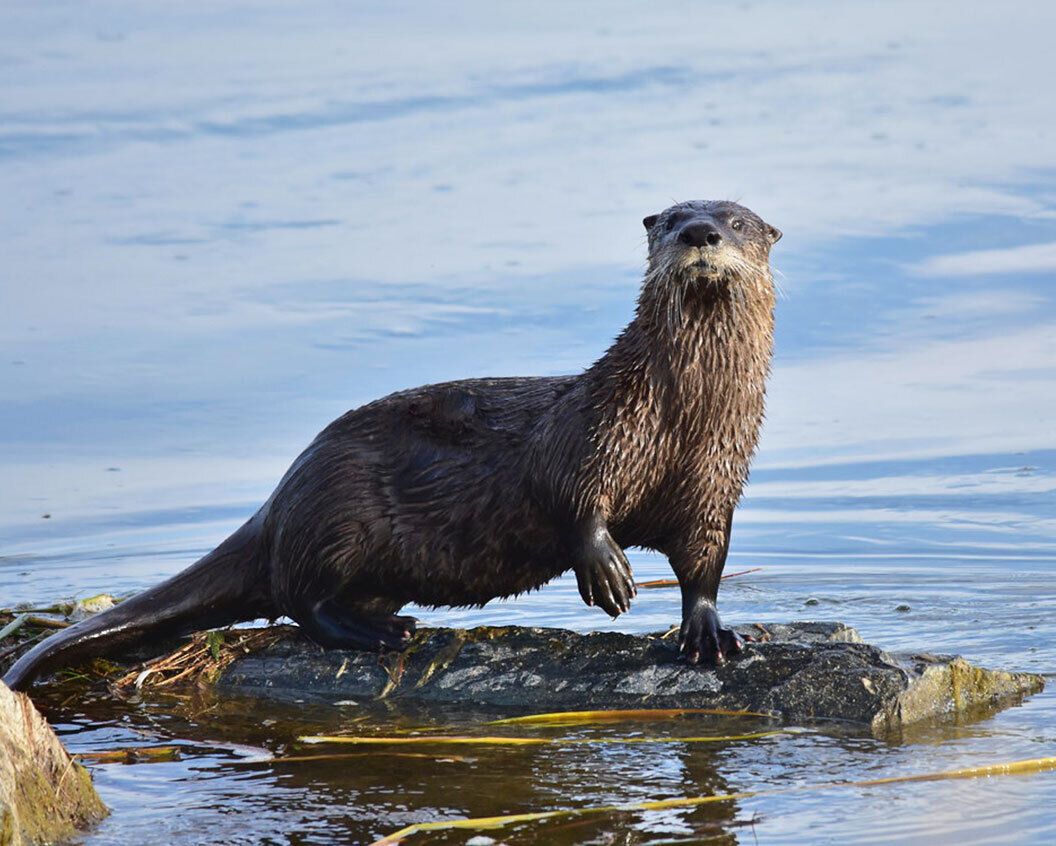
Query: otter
(459, 493)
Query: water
(223, 226)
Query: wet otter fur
(458, 493)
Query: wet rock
(45, 796)
(803, 672)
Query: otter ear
(773, 233)
(650, 222)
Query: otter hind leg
(335, 626)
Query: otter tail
(228, 585)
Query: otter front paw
(703, 640)
(604, 575)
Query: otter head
(709, 242)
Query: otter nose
(700, 235)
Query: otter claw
(703, 640)
(604, 575)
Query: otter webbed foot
(604, 574)
(703, 640)
(334, 627)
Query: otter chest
(691, 446)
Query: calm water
(221, 227)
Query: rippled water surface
(222, 226)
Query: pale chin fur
(694, 265)
(671, 274)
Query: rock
(83, 608)
(802, 672)
(45, 796)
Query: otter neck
(682, 395)
(716, 342)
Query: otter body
(458, 493)
(423, 496)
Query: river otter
(458, 493)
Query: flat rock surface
(803, 672)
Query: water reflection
(229, 787)
(364, 795)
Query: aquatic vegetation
(130, 755)
(574, 717)
(470, 740)
(665, 583)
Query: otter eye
(737, 225)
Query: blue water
(223, 225)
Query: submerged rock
(802, 672)
(45, 796)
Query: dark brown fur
(458, 493)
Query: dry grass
(201, 660)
